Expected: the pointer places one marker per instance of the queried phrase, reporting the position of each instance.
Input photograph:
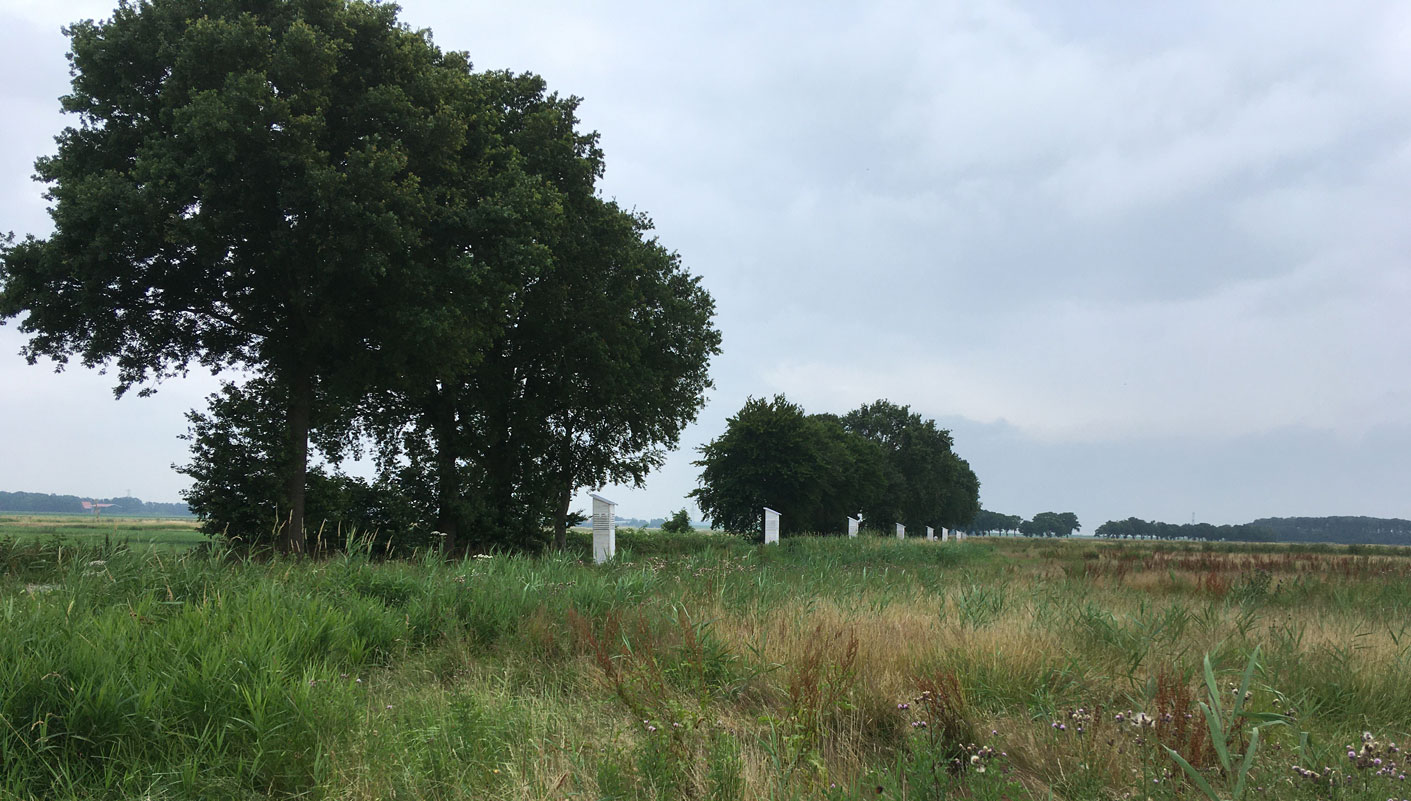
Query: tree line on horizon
(1337, 529)
(1137, 529)
(48, 503)
(1043, 524)
(388, 248)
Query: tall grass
(695, 666)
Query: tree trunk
(447, 478)
(300, 406)
(561, 519)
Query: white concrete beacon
(604, 529)
(771, 526)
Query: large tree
(597, 361)
(430, 417)
(614, 351)
(280, 185)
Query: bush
(680, 523)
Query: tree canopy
(593, 370)
(1050, 524)
(987, 522)
(1134, 528)
(311, 192)
(928, 484)
(882, 461)
(252, 185)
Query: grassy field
(166, 532)
(700, 667)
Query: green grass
(694, 666)
(87, 530)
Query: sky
(1144, 260)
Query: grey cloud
(1142, 236)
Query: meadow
(698, 666)
(164, 532)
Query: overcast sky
(1141, 262)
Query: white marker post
(604, 529)
(959, 535)
(901, 531)
(852, 526)
(930, 534)
(945, 533)
(771, 526)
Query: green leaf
(1213, 688)
(1244, 681)
(1194, 775)
(1248, 761)
(1217, 736)
(1267, 718)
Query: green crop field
(699, 667)
(88, 530)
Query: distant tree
(1050, 524)
(680, 523)
(926, 482)
(771, 454)
(856, 475)
(987, 522)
